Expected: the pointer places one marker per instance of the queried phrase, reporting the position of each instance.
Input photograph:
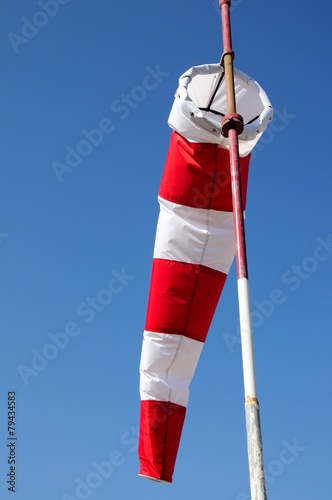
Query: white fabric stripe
(167, 366)
(195, 235)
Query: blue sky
(86, 92)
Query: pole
(232, 126)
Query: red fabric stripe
(198, 175)
(183, 298)
(161, 425)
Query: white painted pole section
(254, 437)
(246, 339)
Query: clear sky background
(78, 217)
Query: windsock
(194, 250)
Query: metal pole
(232, 126)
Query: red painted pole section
(240, 244)
(232, 126)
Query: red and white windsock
(194, 250)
